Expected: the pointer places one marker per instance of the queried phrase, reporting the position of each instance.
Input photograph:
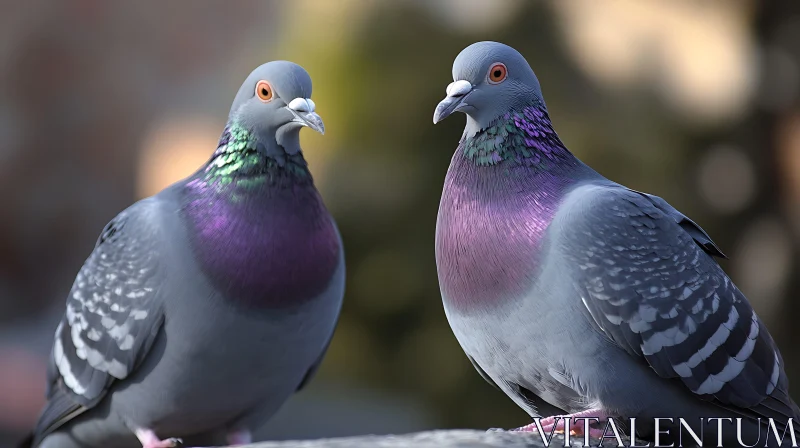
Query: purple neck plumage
(500, 195)
(259, 228)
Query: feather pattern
(655, 291)
(486, 238)
(242, 208)
(113, 316)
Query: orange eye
(497, 73)
(264, 91)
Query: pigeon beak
(303, 111)
(457, 92)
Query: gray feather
(697, 233)
(651, 288)
(113, 316)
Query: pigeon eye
(264, 91)
(497, 73)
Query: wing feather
(647, 276)
(113, 315)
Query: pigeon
(567, 289)
(203, 308)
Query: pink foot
(556, 423)
(148, 439)
(241, 437)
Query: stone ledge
(459, 438)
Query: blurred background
(105, 102)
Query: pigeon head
(275, 101)
(489, 79)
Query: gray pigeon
(565, 287)
(202, 309)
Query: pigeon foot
(556, 423)
(242, 437)
(149, 439)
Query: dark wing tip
(306, 378)
(702, 239)
(483, 373)
(27, 442)
(60, 409)
(699, 235)
(314, 367)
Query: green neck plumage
(519, 138)
(243, 160)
